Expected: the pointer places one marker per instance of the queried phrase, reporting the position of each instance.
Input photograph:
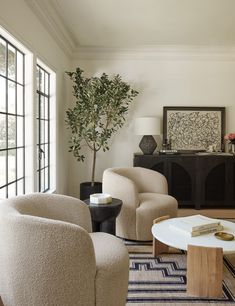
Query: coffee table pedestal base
(204, 271)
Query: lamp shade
(147, 126)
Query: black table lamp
(147, 126)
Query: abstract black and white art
(194, 128)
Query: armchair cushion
(152, 206)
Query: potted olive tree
(101, 104)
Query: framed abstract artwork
(194, 128)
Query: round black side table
(104, 215)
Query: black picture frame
(194, 129)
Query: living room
(196, 75)
(175, 53)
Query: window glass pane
(38, 157)
(46, 179)
(11, 131)
(42, 180)
(2, 94)
(42, 107)
(38, 181)
(37, 106)
(11, 97)
(2, 131)
(46, 108)
(12, 190)
(37, 124)
(41, 80)
(11, 62)
(20, 187)
(20, 108)
(19, 67)
(20, 163)
(46, 84)
(2, 57)
(3, 193)
(37, 77)
(20, 132)
(11, 165)
(46, 155)
(42, 131)
(46, 131)
(2, 168)
(42, 160)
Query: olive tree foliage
(101, 106)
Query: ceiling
(131, 23)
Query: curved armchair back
(53, 206)
(45, 261)
(116, 183)
(146, 180)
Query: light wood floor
(213, 213)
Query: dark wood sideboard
(196, 181)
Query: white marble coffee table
(204, 255)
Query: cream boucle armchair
(49, 257)
(144, 196)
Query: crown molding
(160, 52)
(49, 17)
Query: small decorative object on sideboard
(168, 152)
(100, 198)
(166, 145)
(231, 144)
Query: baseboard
(213, 213)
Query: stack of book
(196, 225)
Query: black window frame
(42, 119)
(15, 115)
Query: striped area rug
(162, 280)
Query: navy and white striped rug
(162, 280)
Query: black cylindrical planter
(86, 189)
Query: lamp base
(148, 144)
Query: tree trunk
(93, 168)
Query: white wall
(187, 77)
(18, 19)
(171, 77)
